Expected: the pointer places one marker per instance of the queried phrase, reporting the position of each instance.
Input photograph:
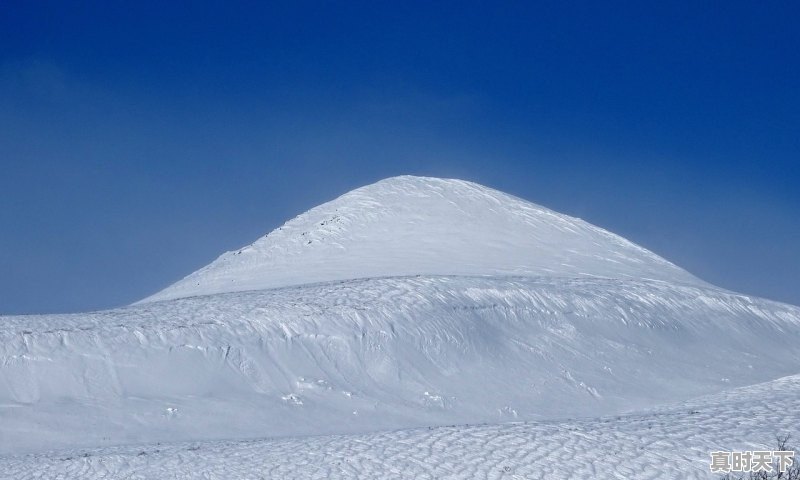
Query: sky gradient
(140, 141)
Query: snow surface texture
(417, 226)
(672, 442)
(370, 354)
(412, 302)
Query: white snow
(412, 351)
(417, 303)
(425, 226)
(672, 442)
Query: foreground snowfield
(669, 442)
(412, 302)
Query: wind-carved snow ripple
(663, 443)
(384, 353)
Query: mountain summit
(408, 225)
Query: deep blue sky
(140, 140)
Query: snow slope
(371, 354)
(671, 443)
(412, 302)
(425, 226)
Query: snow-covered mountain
(410, 302)
(425, 226)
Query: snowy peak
(409, 225)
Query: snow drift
(410, 302)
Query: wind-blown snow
(412, 302)
(364, 355)
(672, 442)
(425, 226)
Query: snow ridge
(379, 354)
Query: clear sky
(139, 140)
